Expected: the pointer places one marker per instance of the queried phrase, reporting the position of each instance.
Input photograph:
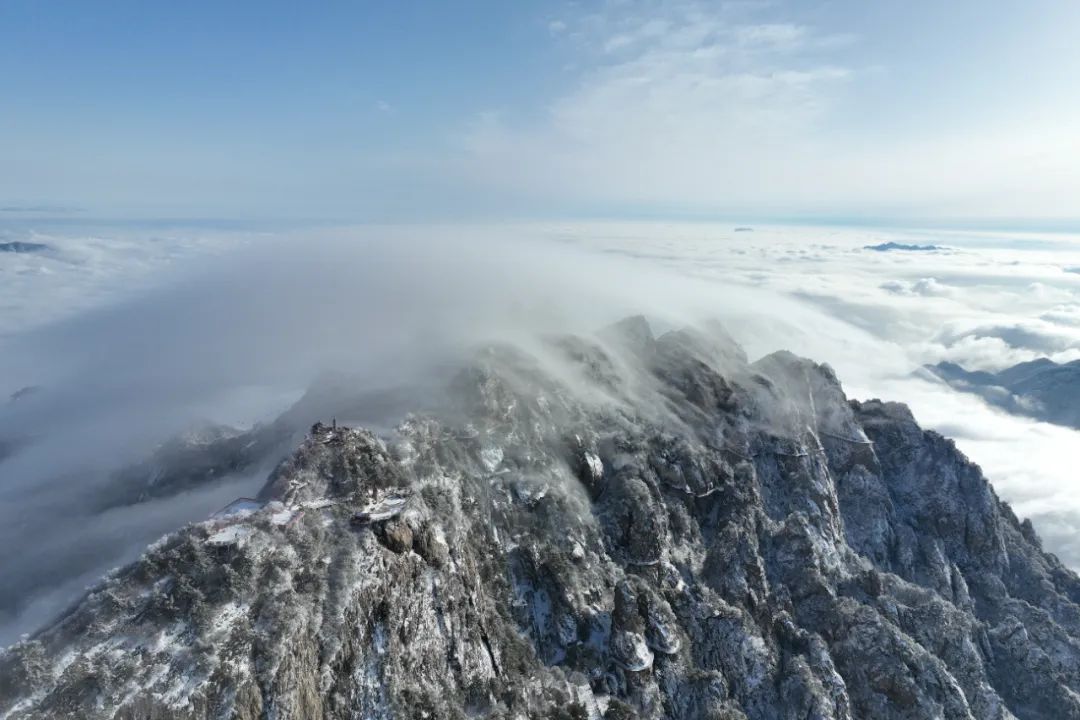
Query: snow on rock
(491, 457)
(318, 504)
(280, 514)
(382, 509)
(696, 544)
(237, 509)
(232, 535)
(631, 651)
(595, 465)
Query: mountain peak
(691, 539)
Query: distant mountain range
(627, 526)
(18, 246)
(1042, 389)
(887, 246)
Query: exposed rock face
(1042, 389)
(632, 527)
(19, 246)
(204, 456)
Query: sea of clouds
(136, 334)
(982, 300)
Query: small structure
(326, 434)
(240, 507)
(384, 509)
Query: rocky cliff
(621, 526)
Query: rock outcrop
(619, 527)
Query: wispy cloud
(714, 109)
(876, 318)
(687, 106)
(123, 377)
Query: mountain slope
(623, 526)
(1042, 389)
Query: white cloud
(784, 35)
(739, 109)
(926, 287)
(1068, 314)
(877, 317)
(121, 378)
(687, 107)
(929, 287)
(979, 353)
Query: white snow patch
(169, 638)
(383, 509)
(232, 535)
(595, 464)
(491, 457)
(282, 517)
(317, 504)
(227, 616)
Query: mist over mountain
(1041, 389)
(18, 246)
(577, 361)
(157, 406)
(642, 520)
(606, 525)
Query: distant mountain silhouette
(1042, 389)
(17, 246)
(887, 246)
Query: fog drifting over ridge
(236, 334)
(984, 300)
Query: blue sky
(422, 110)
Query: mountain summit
(616, 526)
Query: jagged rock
(630, 651)
(651, 527)
(397, 536)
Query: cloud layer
(232, 329)
(763, 109)
(985, 301)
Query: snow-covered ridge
(693, 536)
